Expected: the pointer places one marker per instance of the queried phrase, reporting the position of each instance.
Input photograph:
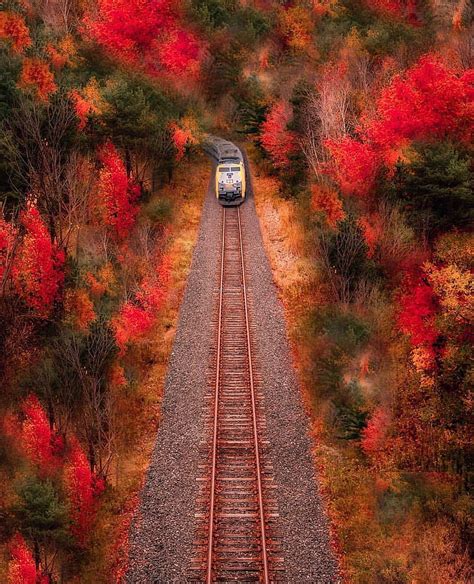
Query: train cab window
(224, 169)
(235, 169)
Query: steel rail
(213, 494)
(266, 578)
(216, 413)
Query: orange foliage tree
(79, 309)
(61, 53)
(36, 77)
(87, 101)
(14, 30)
(326, 200)
(297, 28)
(184, 134)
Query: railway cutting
(231, 494)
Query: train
(230, 180)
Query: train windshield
(229, 174)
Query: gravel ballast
(161, 539)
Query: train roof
(224, 160)
(223, 150)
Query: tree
(82, 488)
(429, 100)
(417, 312)
(325, 200)
(343, 254)
(84, 372)
(275, 137)
(38, 269)
(436, 187)
(374, 434)
(326, 116)
(37, 78)
(38, 141)
(22, 568)
(37, 438)
(117, 195)
(13, 29)
(147, 34)
(8, 243)
(79, 309)
(136, 118)
(42, 518)
(354, 165)
(296, 24)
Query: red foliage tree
(36, 77)
(13, 29)
(117, 194)
(275, 138)
(131, 324)
(430, 100)
(37, 440)
(116, 377)
(83, 487)
(38, 269)
(152, 290)
(22, 567)
(180, 51)
(354, 165)
(135, 319)
(399, 9)
(145, 32)
(417, 313)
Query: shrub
(344, 257)
(160, 211)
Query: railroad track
(236, 539)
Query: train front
(230, 182)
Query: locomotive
(230, 181)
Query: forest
(358, 118)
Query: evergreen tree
(42, 517)
(437, 187)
